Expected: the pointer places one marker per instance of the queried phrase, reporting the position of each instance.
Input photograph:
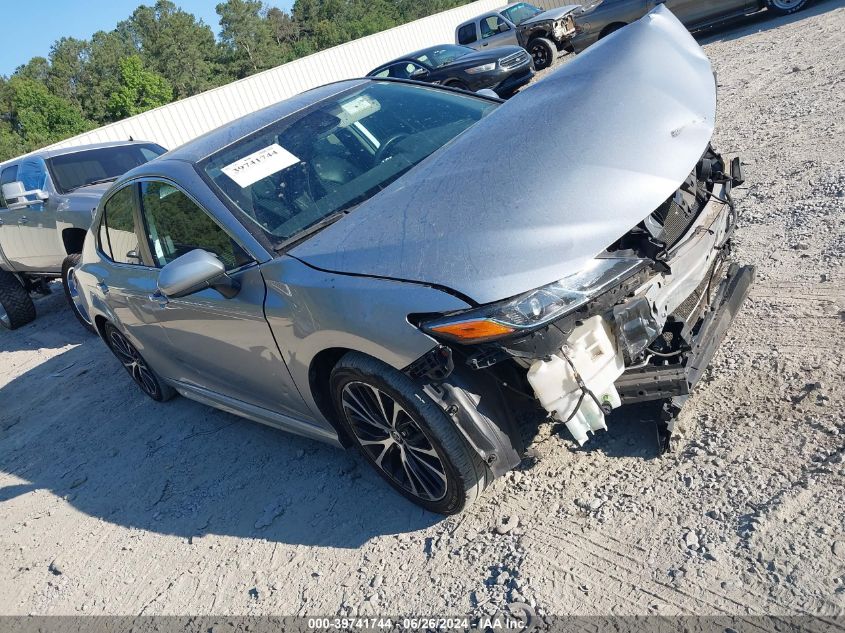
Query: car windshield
(298, 173)
(520, 12)
(87, 167)
(440, 56)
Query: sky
(31, 26)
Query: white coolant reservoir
(591, 348)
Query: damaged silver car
(363, 264)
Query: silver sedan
(410, 269)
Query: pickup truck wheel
(136, 366)
(543, 51)
(785, 7)
(405, 436)
(72, 293)
(16, 306)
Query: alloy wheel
(394, 441)
(134, 363)
(786, 5)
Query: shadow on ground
(77, 426)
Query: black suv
(504, 69)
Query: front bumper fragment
(659, 382)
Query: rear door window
(119, 233)
(467, 34)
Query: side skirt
(254, 413)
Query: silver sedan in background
(411, 269)
(602, 18)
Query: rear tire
(72, 295)
(136, 366)
(543, 52)
(405, 436)
(787, 7)
(16, 306)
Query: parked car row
(362, 264)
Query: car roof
(203, 146)
(412, 57)
(64, 151)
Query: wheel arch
(319, 376)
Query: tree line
(161, 53)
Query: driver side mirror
(504, 28)
(419, 73)
(195, 271)
(15, 195)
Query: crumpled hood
(549, 180)
(552, 14)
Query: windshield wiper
(100, 181)
(310, 230)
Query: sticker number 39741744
(265, 162)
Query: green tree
(140, 89)
(283, 27)
(176, 45)
(102, 78)
(67, 74)
(39, 117)
(247, 37)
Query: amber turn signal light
(473, 330)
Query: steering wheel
(382, 154)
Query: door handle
(23, 220)
(103, 287)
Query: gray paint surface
(547, 181)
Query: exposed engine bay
(669, 292)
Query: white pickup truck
(47, 200)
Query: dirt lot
(110, 504)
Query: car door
(694, 13)
(10, 243)
(496, 31)
(127, 277)
(467, 35)
(40, 248)
(222, 345)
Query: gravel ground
(110, 504)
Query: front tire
(405, 436)
(72, 293)
(543, 52)
(136, 366)
(787, 7)
(16, 306)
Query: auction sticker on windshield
(265, 162)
